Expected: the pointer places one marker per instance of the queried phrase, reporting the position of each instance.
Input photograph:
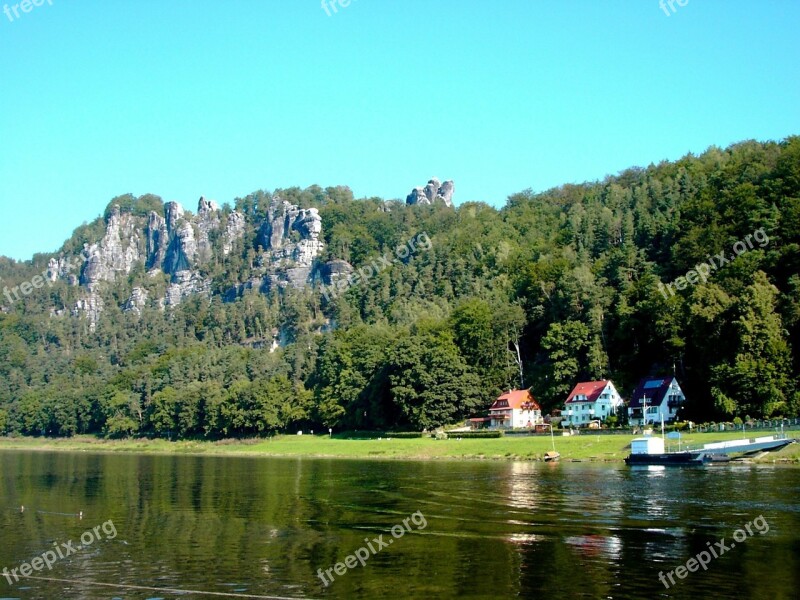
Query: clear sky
(187, 98)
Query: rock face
(433, 193)
(290, 237)
(234, 231)
(173, 244)
(91, 306)
(137, 301)
(64, 268)
(334, 270)
(180, 244)
(185, 284)
(157, 241)
(182, 250)
(207, 221)
(116, 254)
(446, 192)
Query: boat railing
(673, 446)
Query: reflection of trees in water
(494, 529)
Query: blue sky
(184, 99)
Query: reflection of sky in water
(524, 538)
(609, 547)
(655, 507)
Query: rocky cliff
(179, 249)
(291, 237)
(180, 244)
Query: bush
(402, 435)
(477, 434)
(679, 426)
(525, 431)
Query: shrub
(477, 434)
(679, 426)
(525, 431)
(402, 435)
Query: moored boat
(650, 451)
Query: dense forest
(553, 288)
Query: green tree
(487, 337)
(566, 345)
(123, 413)
(430, 382)
(758, 378)
(165, 410)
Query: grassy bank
(585, 447)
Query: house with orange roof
(591, 401)
(515, 409)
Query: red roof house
(591, 400)
(516, 408)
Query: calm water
(263, 527)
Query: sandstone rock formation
(433, 193)
(115, 254)
(91, 306)
(207, 221)
(185, 284)
(290, 237)
(137, 301)
(167, 244)
(334, 270)
(180, 244)
(234, 231)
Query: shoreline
(604, 449)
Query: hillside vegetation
(570, 280)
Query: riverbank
(584, 447)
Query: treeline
(567, 280)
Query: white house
(515, 409)
(662, 397)
(591, 401)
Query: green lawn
(580, 447)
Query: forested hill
(689, 267)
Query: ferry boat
(650, 451)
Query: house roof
(655, 388)
(514, 399)
(590, 389)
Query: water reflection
(522, 485)
(495, 530)
(608, 547)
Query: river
(267, 527)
